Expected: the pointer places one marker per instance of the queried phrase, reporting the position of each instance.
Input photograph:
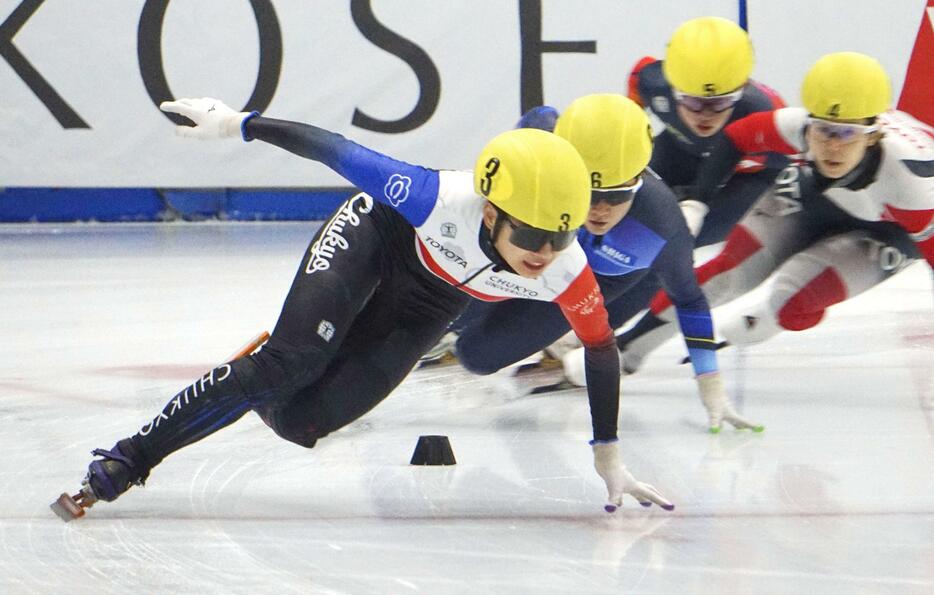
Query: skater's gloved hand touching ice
(213, 119)
(719, 408)
(620, 481)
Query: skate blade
(562, 386)
(445, 359)
(66, 508)
(545, 364)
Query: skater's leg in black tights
(333, 283)
(506, 332)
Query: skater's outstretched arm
(411, 189)
(777, 131)
(675, 269)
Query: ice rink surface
(103, 324)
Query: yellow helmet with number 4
(536, 177)
(708, 56)
(845, 86)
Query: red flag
(918, 91)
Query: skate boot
(442, 353)
(557, 350)
(551, 357)
(115, 472)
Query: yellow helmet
(535, 176)
(612, 133)
(846, 85)
(708, 56)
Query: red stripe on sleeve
(582, 305)
(757, 133)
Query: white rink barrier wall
(425, 81)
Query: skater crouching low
(380, 283)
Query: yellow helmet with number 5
(708, 56)
(846, 85)
(612, 134)
(536, 177)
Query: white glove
(694, 212)
(620, 481)
(212, 118)
(719, 408)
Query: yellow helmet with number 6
(536, 177)
(846, 85)
(612, 134)
(708, 56)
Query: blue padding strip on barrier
(80, 204)
(196, 204)
(244, 205)
(148, 204)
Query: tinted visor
(615, 196)
(842, 131)
(716, 103)
(534, 239)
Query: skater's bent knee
(306, 436)
(302, 439)
(794, 319)
(272, 375)
(289, 426)
(806, 306)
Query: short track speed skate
(69, 508)
(121, 467)
(442, 354)
(115, 472)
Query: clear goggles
(826, 130)
(616, 195)
(534, 239)
(715, 103)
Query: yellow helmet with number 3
(536, 177)
(708, 56)
(845, 86)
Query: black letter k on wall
(38, 85)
